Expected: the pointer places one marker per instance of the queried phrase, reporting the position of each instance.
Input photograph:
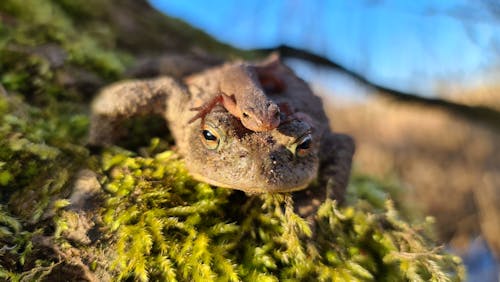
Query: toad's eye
(303, 146)
(211, 137)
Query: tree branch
(482, 114)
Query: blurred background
(417, 83)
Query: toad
(219, 149)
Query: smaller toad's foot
(206, 108)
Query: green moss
(168, 226)
(16, 245)
(39, 149)
(37, 64)
(43, 53)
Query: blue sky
(408, 45)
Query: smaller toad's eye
(303, 146)
(211, 137)
(245, 115)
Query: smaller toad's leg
(225, 100)
(335, 167)
(204, 109)
(124, 100)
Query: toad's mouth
(257, 189)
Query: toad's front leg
(124, 100)
(335, 167)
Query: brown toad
(219, 150)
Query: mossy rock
(135, 214)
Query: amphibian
(223, 152)
(241, 93)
